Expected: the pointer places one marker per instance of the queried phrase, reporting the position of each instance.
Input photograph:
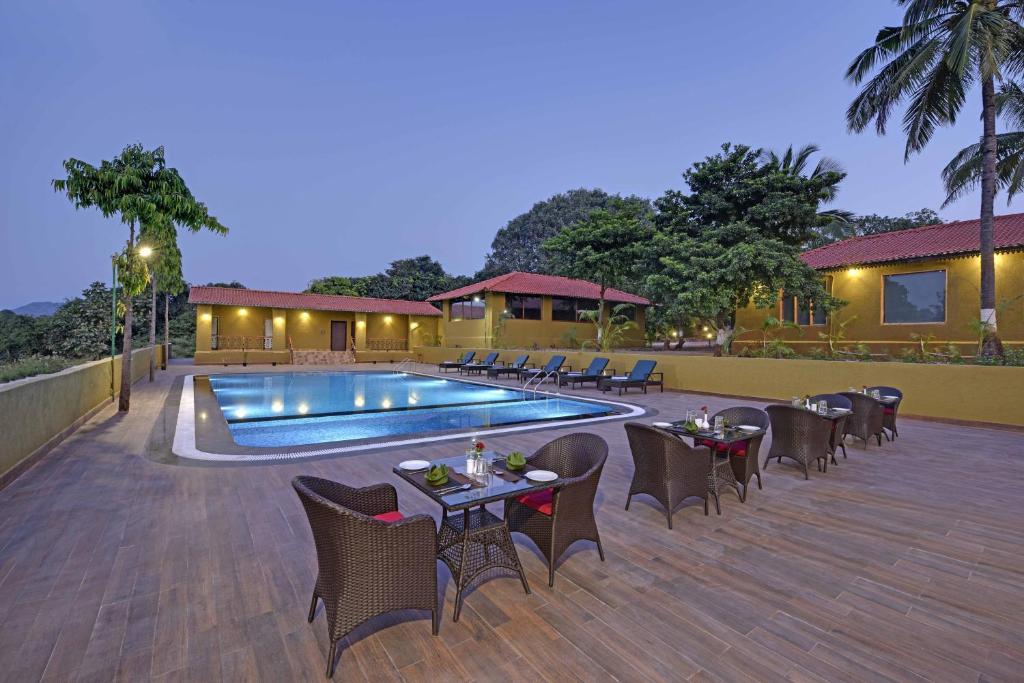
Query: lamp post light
(145, 252)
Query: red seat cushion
(739, 448)
(393, 516)
(541, 501)
(889, 411)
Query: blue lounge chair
(456, 364)
(550, 368)
(518, 364)
(639, 376)
(479, 366)
(592, 373)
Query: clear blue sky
(333, 137)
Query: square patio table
(473, 541)
(838, 420)
(728, 438)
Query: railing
(405, 362)
(540, 378)
(221, 342)
(387, 344)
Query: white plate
(748, 428)
(541, 475)
(663, 425)
(413, 465)
(890, 398)
(842, 410)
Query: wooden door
(339, 335)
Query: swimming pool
(288, 409)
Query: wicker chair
(745, 459)
(556, 518)
(867, 418)
(835, 439)
(667, 468)
(367, 566)
(889, 412)
(800, 435)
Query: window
(523, 307)
(568, 310)
(467, 308)
(914, 298)
(788, 308)
(793, 310)
(628, 312)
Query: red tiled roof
(958, 237)
(549, 285)
(230, 296)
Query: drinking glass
(822, 408)
(691, 415)
(875, 393)
(719, 424)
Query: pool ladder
(404, 363)
(540, 379)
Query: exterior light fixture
(304, 315)
(387, 319)
(705, 328)
(476, 299)
(202, 415)
(279, 320)
(675, 333)
(853, 272)
(710, 336)
(145, 252)
(413, 326)
(207, 317)
(242, 311)
(360, 323)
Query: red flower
(704, 408)
(479, 445)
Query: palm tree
(963, 173)
(942, 49)
(796, 162)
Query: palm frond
(937, 100)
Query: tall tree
(138, 188)
(165, 267)
(517, 246)
(942, 49)
(871, 224)
(735, 238)
(605, 248)
(963, 173)
(412, 279)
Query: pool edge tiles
(190, 442)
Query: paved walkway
(903, 563)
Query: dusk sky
(333, 137)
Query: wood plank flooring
(902, 563)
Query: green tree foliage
(80, 328)
(605, 248)
(931, 62)
(20, 335)
(735, 238)
(517, 246)
(411, 279)
(963, 173)
(140, 190)
(871, 224)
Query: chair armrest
(661, 376)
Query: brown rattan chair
(799, 435)
(367, 566)
(867, 419)
(835, 439)
(889, 411)
(667, 468)
(556, 518)
(744, 458)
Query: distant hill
(38, 308)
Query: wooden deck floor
(902, 563)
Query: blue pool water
(294, 409)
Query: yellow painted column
(204, 317)
(360, 331)
(280, 341)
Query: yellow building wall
(312, 329)
(516, 333)
(862, 288)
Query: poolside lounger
(518, 364)
(592, 373)
(639, 376)
(551, 368)
(479, 366)
(456, 364)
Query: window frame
(511, 310)
(945, 296)
(576, 308)
(463, 300)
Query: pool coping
(185, 445)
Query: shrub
(32, 365)
(1014, 357)
(909, 355)
(817, 353)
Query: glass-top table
(473, 541)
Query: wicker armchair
(800, 435)
(835, 439)
(556, 518)
(867, 419)
(745, 459)
(889, 412)
(667, 468)
(367, 566)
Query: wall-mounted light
(242, 311)
(304, 315)
(853, 272)
(387, 320)
(360, 323)
(207, 317)
(476, 299)
(413, 326)
(279, 320)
